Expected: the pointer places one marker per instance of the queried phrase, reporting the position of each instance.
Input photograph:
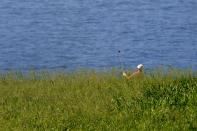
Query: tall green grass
(98, 100)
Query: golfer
(139, 71)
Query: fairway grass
(98, 100)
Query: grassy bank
(89, 100)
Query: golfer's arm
(129, 77)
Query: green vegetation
(98, 100)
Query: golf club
(121, 64)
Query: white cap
(139, 66)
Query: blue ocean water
(72, 34)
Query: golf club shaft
(121, 64)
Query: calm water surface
(72, 34)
